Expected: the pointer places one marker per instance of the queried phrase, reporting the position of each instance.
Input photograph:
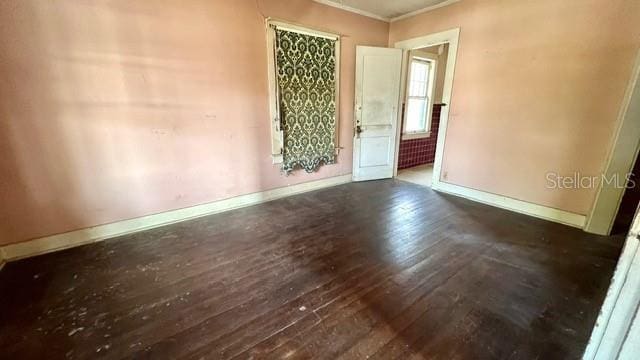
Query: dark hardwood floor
(381, 269)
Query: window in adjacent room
(303, 93)
(419, 98)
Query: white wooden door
(376, 112)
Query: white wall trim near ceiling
(352, 9)
(101, 232)
(420, 11)
(338, 5)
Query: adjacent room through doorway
(423, 100)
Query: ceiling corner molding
(353, 10)
(428, 8)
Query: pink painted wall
(111, 110)
(537, 88)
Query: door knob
(358, 129)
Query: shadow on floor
(383, 269)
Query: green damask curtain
(306, 78)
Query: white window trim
(433, 59)
(416, 135)
(277, 134)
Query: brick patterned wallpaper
(416, 152)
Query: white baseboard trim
(2, 261)
(504, 202)
(101, 232)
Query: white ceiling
(387, 10)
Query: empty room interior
(296, 179)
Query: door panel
(376, 112)
(378, 91)
(374, 151)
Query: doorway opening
(628, 203)
(422, 101)
(428, 65)
(614, 205)
(380, 92)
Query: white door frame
(620, 160)
(616, 334)
(448, 36)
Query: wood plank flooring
(381, 269)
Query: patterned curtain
(306, 68)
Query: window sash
(420, 86)
(427, 98)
